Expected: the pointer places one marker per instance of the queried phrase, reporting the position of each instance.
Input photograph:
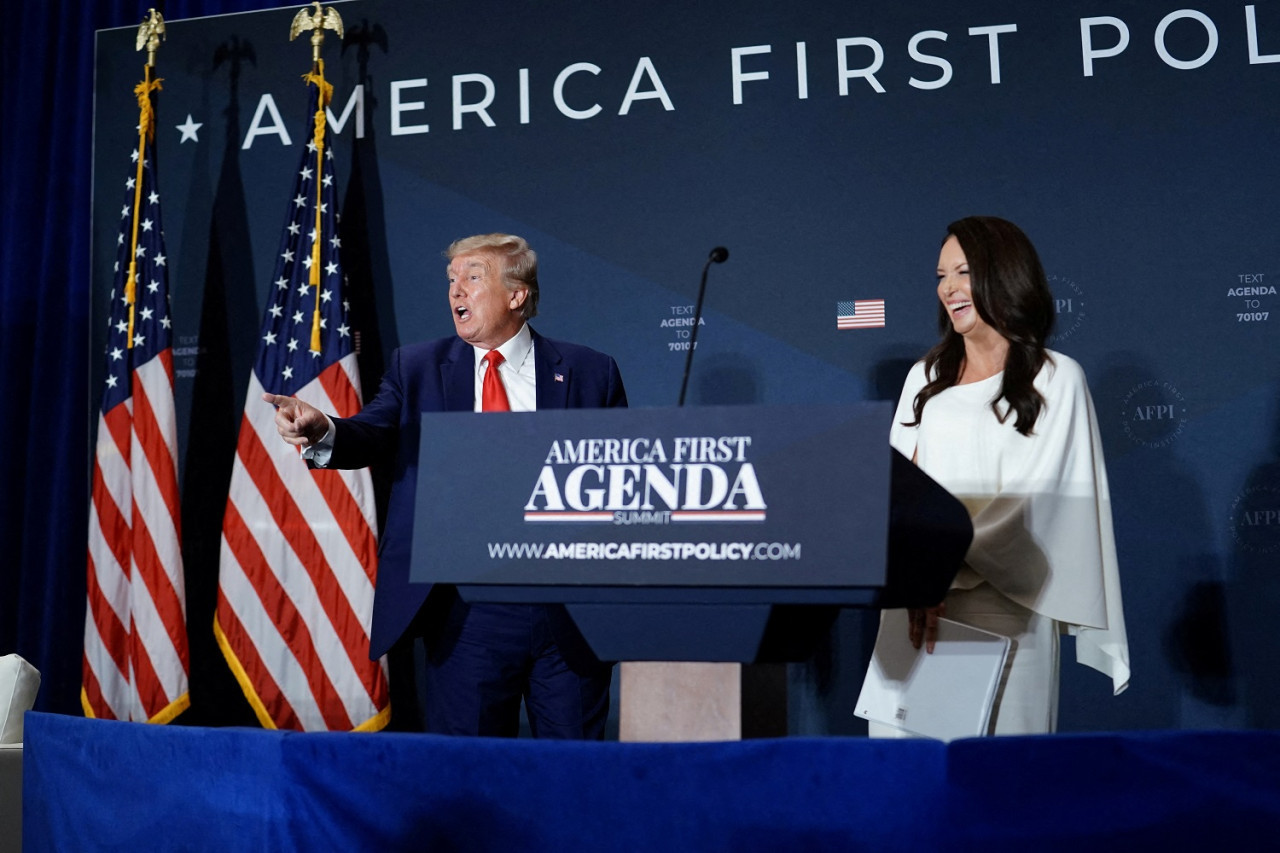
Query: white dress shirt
(517, 372)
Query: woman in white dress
(1008, 427)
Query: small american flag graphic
(860, 314)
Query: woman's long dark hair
(1011, 293)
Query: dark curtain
(46, 406)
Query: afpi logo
(1068, 305)
(647, 481)
(1154, 413)
(1255, 519)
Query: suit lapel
(551, 374)
(457, 377)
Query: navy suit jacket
(439, 376)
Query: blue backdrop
(826, 145)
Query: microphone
(718, 256)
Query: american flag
(860, 314)
(135, 663)
(299, 547)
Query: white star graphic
(303, 288)
(288, 373)
(270, 338)
(146, 224)
(166, 322)
(330, 268)
(343, 330)
(153, 287)
(293, 345)
(335, 242)
(276, 311)
(146, 313)
(306, 172)
(327, 295)
(159, 260)
(297, 316)
(282, 283)
(189, 130)
(300, 201)
(293, 228)
(288, 256)
(117, 354)
(138, 340)
(111, 382)
(154, 198)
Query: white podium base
(679, 701)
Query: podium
(695, 535)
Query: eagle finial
(150, 34)
(318, 22)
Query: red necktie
(493, 397)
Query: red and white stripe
(135, 647)
(296, 581)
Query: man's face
(485, 313)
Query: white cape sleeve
(1046, 539)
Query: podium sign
(783, 500)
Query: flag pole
(304, 20)
(302, 662)
(136, 663)
(149, 35)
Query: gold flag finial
(317, 23)
(150, 35)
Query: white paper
(944, 695)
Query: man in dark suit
(481, 659)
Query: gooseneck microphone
(718, 256)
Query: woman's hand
(923, 626)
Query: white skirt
(1026, 701)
